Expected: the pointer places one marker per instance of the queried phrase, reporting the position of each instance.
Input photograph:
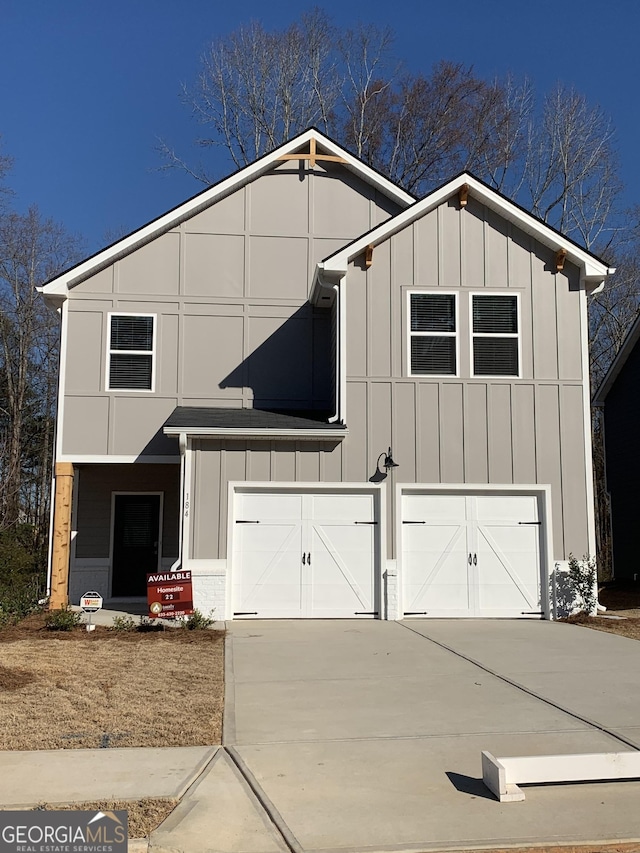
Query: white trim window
(433, 333)
(131, 353)
(495, 325)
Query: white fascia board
(273, 434)
(594, 272)
(61, 284)
(105, 459)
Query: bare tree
(31, 250)
(554, 155)
(570, 170)
(367, 98)
(256, 89)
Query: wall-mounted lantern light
(388, 464)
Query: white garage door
(304, 556)
(471, 555)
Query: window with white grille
(495, 332)
(131, 352)
(433, 334)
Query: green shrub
(123, 623)
(583, 575)
(22, 579)
(197, 621)
(62, 620)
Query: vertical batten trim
(588, 449)
(486, 244)
(507, 251)
(440, 239)
(186, 546)
(223, 504)
(462, 242)
(511, 431)
(342, 332)
(64, 338)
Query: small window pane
(433, 355)
(130, 371)
(132, 333)
(433, 312)
(495, 356)
(498, 314)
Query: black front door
(136, 533)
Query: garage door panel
(508, 568)
(502, 508)
(269, 507)
(304, 555)
(342, 570)
(444, 508)
(501, 535)
(435, 569)
(343, 508)
(269, 564)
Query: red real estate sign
(169, 594)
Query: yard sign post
(90, 603)
(169, 594)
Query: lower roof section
(249, 423)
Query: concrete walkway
(365, 736)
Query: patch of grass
(627, 627)
(75, 689)
(144, 815)
(14, 678)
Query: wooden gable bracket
(312, 156)
(463, 195)
(561, 254)
(368, 256)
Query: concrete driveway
(367, 735)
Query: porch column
(61, 545)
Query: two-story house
(236, 374)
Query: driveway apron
(366, 735)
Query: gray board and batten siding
(526, 430)
(229, 289)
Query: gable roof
(593, 269)
(618, 363)
(59, 285)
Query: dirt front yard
(622, 615)
(71, 690)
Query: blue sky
(89, 86)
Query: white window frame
(151, 352)
(456, 334)
(473, 335)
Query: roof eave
(271, 434)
